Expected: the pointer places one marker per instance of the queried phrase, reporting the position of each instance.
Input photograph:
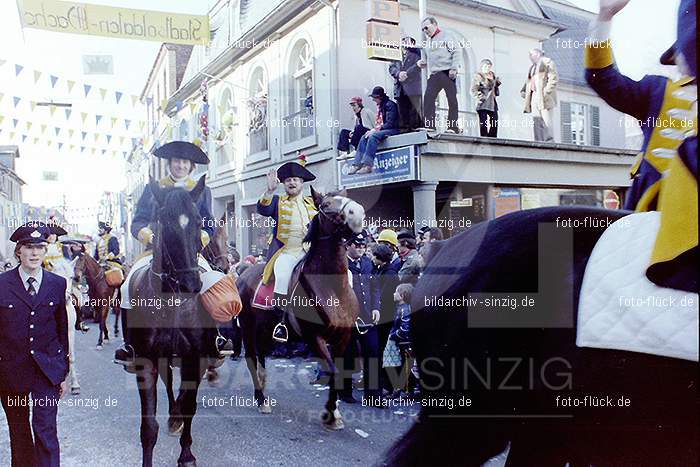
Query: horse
(101, 294)
(167, 325)
(327, 307)
(518, 367)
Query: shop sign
(383, 36)
(391, 166)
(506, 200)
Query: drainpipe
(335, 91)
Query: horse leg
(175, 423)
(100, 314)
(251, 358)
(103, 323)
(330, 417)
(191, 375)
(147, 379)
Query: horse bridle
(168, 276)
(328, 214)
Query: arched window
(257, 111)
(224, 127)
(300, 120)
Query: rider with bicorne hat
(292, 213)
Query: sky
(641, 32)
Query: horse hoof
(75, 391)
(175, 427)
(187, 464)
(213, 378)
(106, 341)
(99, 347)
(265, 408)
(335, 425)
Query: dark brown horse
(102, 296)
(325, 307)
(167, 324)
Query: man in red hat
(292, 213)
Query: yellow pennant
(92, 151)
(70, 132)
(29, 126)
(36, 140)
(70, 85)
(12, 135)
(32, 105)
(121, 140)
(97, 136)
(71, 146)
(1, 119)
(52, 110)
(37, 75)
(193, 107)
(43, 129)
(103, 93)
(142, 124)
(83, 116)
(114, 121)
(134, 100)
(163, 104)
(48, 143)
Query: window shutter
(595, 125)
(566, 122)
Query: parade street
(94, 434)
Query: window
(223, 133)
(257, 112)
(300, 120)
(580, 124)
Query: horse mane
(312, 232)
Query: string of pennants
(28, 125)
(60, 145)
(87, 89)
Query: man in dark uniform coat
(107, 248)
(33, 349)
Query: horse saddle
(264, 295)
(620, 308)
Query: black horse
(519, 365)
(168, 326)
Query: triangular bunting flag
(82, 148)
(141, 125)
(103, 93)
(163, 104)
(68, 112)
(87, 88)
(149, 100)
(32, 105)
(97, 119)
(18, 69)
(43, 129)
(16, 99)
(117, 96)
(104, 151)
(36, 140)
(2, 62)
(52, 110)
(71, 147)
(70, 133)
(29, 126)
(60, 145)
(14, 123)
(193, 107)
(12, 135)
(127, 123)
(134, 100)
(70, 85)
(109, 138)
(83, 135)
(83, 116)
(58, 130)
(1, 119)
(96, 136)
(178, 105)
(49, 142)
(92, 151)
(114, 120)
(24, 138)
(54, 80)
(37, 75)
(121, 140)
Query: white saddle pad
(619, 308)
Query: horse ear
(198, 189)
(318, 197)
(343, 193)
(156, 190)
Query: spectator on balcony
(364, 120)
(407, 85)
(387, 124)
(485, 90)
(540, 94)
(443, 62)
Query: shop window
(225, 126)
(299, 122)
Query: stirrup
(283, 327)
(224, 346)
(127, 363)
(359, 323)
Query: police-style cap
(182, 150)
(31, 233)
(358, 239)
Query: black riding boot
(280, 333)
(125, 354)
(79, 325)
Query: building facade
(11, 211)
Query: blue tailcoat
(362, 285)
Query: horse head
(177, 240)
(338, 216)
(216, 252)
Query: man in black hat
(292, 213)
(33, 349)
(182, 157)
(107, 248)
(387, 124)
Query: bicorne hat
(295, 169)
(182, 150)
(686, 38)
(104, 226)
(31, 233)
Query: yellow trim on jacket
(596, 58)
